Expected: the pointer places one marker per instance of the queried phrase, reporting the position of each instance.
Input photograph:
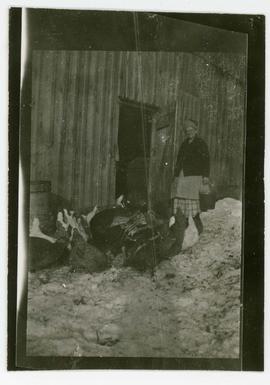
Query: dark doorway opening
(134, 140)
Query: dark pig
(44, 254)
(106, 226)
(86, 257)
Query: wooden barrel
(39, 203)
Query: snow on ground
(189, 308)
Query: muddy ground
(189, 308)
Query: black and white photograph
(132, 144)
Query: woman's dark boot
(198, 223)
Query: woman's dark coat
(193, 158)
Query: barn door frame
(161, 165)
(142, 106)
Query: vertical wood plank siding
(75, 111)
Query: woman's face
(190, 132)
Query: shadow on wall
(232, 191)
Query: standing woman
(191, 171)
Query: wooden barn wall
(222, 87)
(75, 111)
